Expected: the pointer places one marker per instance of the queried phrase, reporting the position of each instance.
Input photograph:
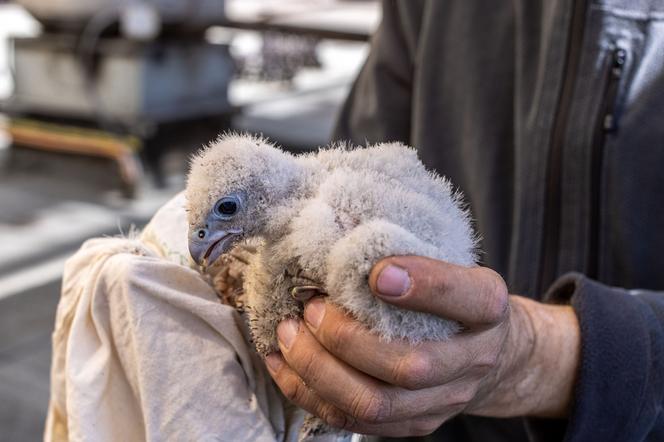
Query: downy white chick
(324, 219)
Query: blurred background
(102, 102)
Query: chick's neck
(296, 191)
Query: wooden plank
(80, 141)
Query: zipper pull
(617, 68)
(619, 58)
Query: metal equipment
(125, 83)
(108, 76)
(187, 13)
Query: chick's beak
(206, 246)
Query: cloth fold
(144, 350)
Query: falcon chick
(321, 221)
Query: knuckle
(478, 371)
(414, 371)
(339, 336)
(496, 298)
(437, 282)
(370, 407)
(485, 365)
(424, 427)
(335, 418)
(461, 398)
(307, 366)
(483, 361)
(295, 391)
(487, 361)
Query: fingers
(398, 363)
(354, 393)
(295, 389)
(305, 396)
(299, 393)
(476, 297)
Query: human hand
(333, 367)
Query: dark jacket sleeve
(379, 105)
(619, 393)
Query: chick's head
(233, 186)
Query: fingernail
(274, 362)
(393, 281)
(314, 312)
(287, 331)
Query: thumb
(474, 296)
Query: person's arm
(516, 357)
(379, 104)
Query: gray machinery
(107, 76)
(188, 13)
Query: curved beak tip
(197, 251)
(206, 251)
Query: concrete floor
(25, 354)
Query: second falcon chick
(323, 220)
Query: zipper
(607, 123)
(552, 202)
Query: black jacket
(549, 116)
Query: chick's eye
(227, 206)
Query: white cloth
(144, 350)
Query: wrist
(537, 367)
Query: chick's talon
(303, 293)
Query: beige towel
(144, 350)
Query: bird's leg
(302, 287)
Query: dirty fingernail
(314, 312)
(287, 331)
(393, 281)
(274, 362)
